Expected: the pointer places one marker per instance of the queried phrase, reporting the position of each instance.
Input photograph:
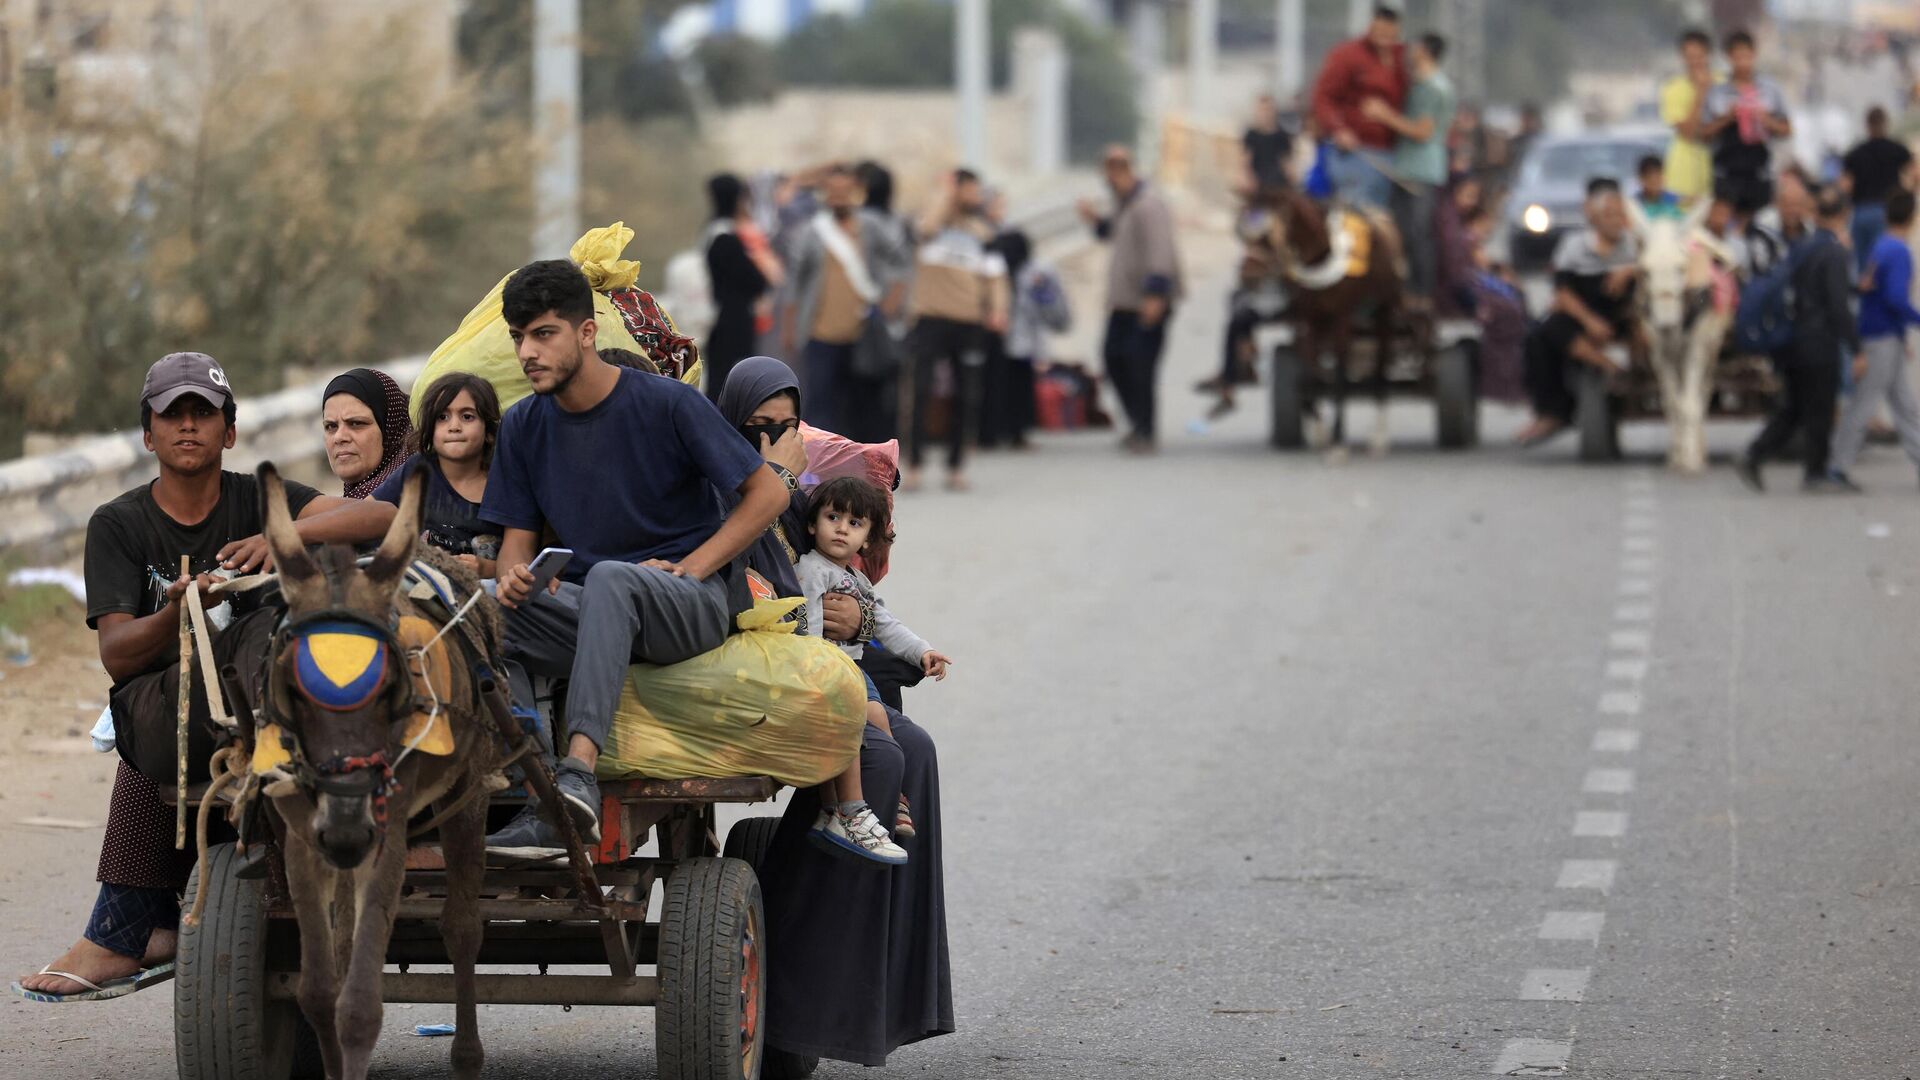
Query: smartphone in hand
(546, 566)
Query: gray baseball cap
(178, 374)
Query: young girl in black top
(459, 421)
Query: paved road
(1258, 767)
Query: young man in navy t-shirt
(627, 468)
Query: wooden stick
(186, 706)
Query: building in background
(71, 59)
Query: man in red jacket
(1371, 66)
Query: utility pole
(1203, 54)
(1146, 44)
(1464, 24)
(1290, 48)
(556, 127)
(970, 78)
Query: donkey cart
(1449, 376)
(235, 1014)
(1742, 385)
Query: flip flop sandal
(112, 988)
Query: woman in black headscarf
(857, 956)
(368, 433)
(737, 278)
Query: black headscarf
(751, 382)
(388, 403)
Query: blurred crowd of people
(927, 327)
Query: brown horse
(1327, 299)
(348, 762)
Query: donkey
(341, 705)
(1312, 250)
(1687, 299)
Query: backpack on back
(1763, 322)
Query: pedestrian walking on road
(960, 295)
(1871, 171)
(1358, 146)
(849, 279)
(1823, 332)
(1143, 285)
(1880, 371)
(742, 269)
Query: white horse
(1686, 307)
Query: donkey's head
(339, 682)
(1663, 267)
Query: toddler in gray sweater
(842, 516)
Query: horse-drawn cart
(235, 1014)
(1449, 376)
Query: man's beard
(561, 382)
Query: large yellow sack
(768, 702)
(481, 346)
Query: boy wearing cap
(134, 596)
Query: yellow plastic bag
(768, 702)
(482, 347)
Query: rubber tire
(1286, 401)
(1456, 397)
(224, 1026)
(697, 1019)
(750, 839)
(1593, 417)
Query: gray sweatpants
(590, 633)
(1886, 379)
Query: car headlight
(1536, 219)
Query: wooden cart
(235, 1016)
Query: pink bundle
(830, 456)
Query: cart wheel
(709, 1022)
(1455, 398)
(1286, 401)
(750, 839)
(224, 1025)
(1593, 415)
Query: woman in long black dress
(856, 955)
(737, 277)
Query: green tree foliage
(909, 43)
(341, 212)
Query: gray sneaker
(580, 792)
(527, 836)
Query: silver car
(1545, 201)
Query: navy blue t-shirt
(636, 477)
(448, 520)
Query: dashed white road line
(1630, 644)
(1555, 984)
(1631, 668)
(1587, 874)
(1630, 640)
(1608, 782)
(1573, 925)
(1620, 703)
(1616, 741)
(1605, 824)
(1533, 1057)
